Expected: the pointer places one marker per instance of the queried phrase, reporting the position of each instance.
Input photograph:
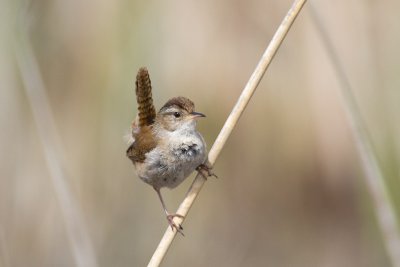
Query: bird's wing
(144, 142)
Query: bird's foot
(178, 227)
(205, 170)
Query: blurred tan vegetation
(290, 191)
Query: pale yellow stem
(230, 123)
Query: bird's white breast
(178, 154)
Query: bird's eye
(177, 114)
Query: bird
(165, 147)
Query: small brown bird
(166, 147)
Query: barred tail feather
(147, 112)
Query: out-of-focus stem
(78, 236)
(383, 206)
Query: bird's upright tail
(147, 112)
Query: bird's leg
(170, 217)
(205, 170)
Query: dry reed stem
(81, 245)
(383, 206)
(230, 123)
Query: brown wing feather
(144, 142)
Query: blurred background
(291, 190)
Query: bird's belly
(169, 168)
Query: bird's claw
(178, 227)
(205, 171)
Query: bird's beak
(197, 115)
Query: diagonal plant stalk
(228, 127)
(81, 245)
(376, 184)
